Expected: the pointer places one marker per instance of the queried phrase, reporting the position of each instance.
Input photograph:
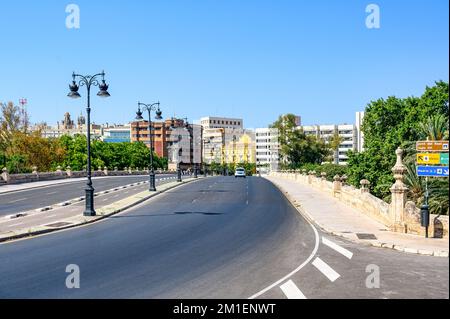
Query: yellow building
(240, 148)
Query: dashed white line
(51, 193)
(291, 291)
(17, 200)
(337, 248)
(325, 269)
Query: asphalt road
(34, 198)
(214, 238)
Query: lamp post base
(89, 198)
(152, 187)
(179, 175)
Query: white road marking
(325, 269)
(316, 248)
(49, 216)
(338, 248)
(51, 193)
(17, 200)
(291, 291)
(9, 226)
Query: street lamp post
(150, 108)
(88, 81)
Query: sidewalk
(341, 220)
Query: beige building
(221, 122)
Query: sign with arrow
(432, 158)
(432, 171)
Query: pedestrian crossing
(292, 291)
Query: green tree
(296, 147)
(388, 124)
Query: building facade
(116, 134)
(267, 149)
(221, 122)
(347, 133)
(173, 139)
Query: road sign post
(431, 153)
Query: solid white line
(51, 193)
(316, 247)
(49, 216)
(338, 248)
(291, 291)
(17, 200)
(325, 269)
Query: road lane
(217, 246)
(202, 240)
(30, 199)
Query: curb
(29, 234)
(377, 244)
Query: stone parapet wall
(375, 208)
(6, 178)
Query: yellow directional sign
(428, 158)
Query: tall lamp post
(88, 81)
(150, 108)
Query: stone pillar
(34, 168)
(105, 170)
(130, 170)
(337, 185)
(5, 175)
(310, 176)
(59, 170)
(344, 179)
(69, 171)
(323, 176)
(364, 186)
(125, 169)
(116, 169)
(399, 192)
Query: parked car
(239, 172)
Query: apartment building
(221, 122)
(347, 132)
(267, 149)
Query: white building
(267, 149)
(347, 132)
(221, 122)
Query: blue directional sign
(432, 171)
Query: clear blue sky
(253, 59)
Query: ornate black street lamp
(88, 81)
(150, 108)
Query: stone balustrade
(35, 176)
(399, 215)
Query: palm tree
(435, 128)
